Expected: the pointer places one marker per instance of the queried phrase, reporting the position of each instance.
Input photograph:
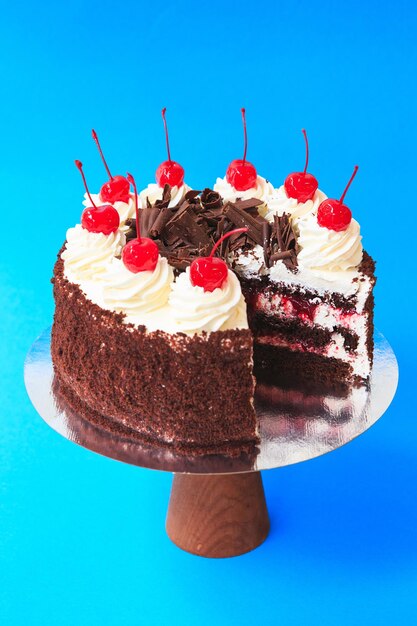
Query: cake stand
(217, 506)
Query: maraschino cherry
(333, 214)
(301, 185)
(210, 272)
(140, 254)
(169, 172)
(98, 219)
(117, 188)
(241, 174)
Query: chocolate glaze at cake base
(153, 383)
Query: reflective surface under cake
(294, 425)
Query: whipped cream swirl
(279, 202)
(139, 294)
(126, 210)
(324, 251)
(262, 190)
(154, 192)
(195, 310)
(88, 255)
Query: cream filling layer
(358, 360)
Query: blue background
(82, 538)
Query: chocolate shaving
(147, 218)
(131, 232)
(191, 228)
(185, 227)
(166, 198)
(247, 205)
(237, 213)
(266, 236)
(160, 222)
(282, 243)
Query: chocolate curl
(211, 200)
(282, 244)
(266, 236)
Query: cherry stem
(349, 183)
(133, 183)
(93, 132)
(245, 134)
(164, 110)
(306, 140)
(231, 232)
(79, 166)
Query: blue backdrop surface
(82, 537)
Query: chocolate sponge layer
(192, 393)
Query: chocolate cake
(170, 302)
(154, 383)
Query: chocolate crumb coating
(192, 393)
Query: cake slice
(309, 288)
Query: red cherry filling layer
(241, 174)
(301, 185)
(211, 272)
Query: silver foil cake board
(294, 425)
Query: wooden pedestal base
(219, 515)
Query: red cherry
(169, 172)
(241, 174)
(117, 188)
(140, 254)
(98, 219)
(211, 272)
(301, 185)
(333, 214)
(208, 272)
